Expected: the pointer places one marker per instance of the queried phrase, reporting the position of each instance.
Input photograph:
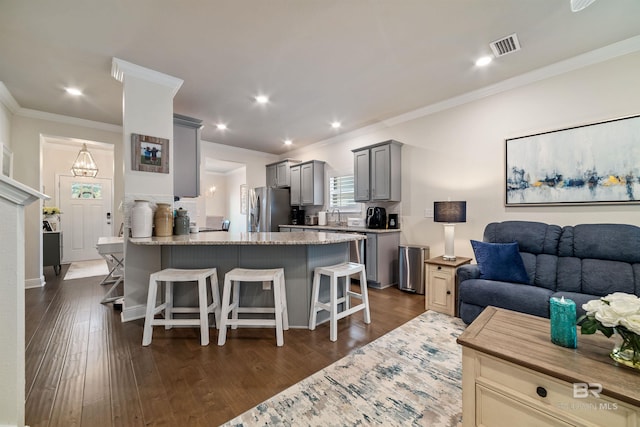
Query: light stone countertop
(344, 228)
(230, 238)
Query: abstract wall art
(594, 163)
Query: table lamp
(449, 213)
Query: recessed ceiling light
(483, 61)
(73, 91)
(262, 99)
(221, 126)
(288, 142)
(336, 124)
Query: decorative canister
(163, 220)
(181, 225)
(141, 219)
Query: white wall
(26, 135)
(459, 152)
(255, 161)
(5, 125)
(217, 202)
(235, 179)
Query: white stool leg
(315, 292)
(333, 305)
(204, 312)
(168, 301)
(151, 306)
(285, 309)
(236, 303)
(365, 296)
(224, 311)
(215, 298)
(347, 292)
(277, 301)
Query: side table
(441, 292)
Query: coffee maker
(297, 216)
(376, 217)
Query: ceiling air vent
(505, 45)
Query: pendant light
(84, 164)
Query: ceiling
(360, 62)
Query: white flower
(593, 306)
(625, 307)
(621, 296)
(608, 317)
(632, 323)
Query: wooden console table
(513, 375)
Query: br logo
(583, 390)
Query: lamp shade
(84, 164)
(450, 212)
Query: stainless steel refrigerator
(268, 208)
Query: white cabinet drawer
(497, 410)
(550, 395)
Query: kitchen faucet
(333, 212)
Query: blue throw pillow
(500, 261)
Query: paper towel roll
(322, 218)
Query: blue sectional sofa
(581, 262)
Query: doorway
(87, 205)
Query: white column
(147, 110)
(14, 196)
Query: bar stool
(279, 309)
(170, 276)
(335, 272)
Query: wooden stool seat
(335, 272)
(279, 309)
(170, 276)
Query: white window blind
(341, 192)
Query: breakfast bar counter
(299, 253)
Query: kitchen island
(380, 255)
(299, 253)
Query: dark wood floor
(85, 367)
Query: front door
(86, 206)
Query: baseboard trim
(34, 283)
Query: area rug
(411, 376)
(80, 269)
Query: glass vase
(626, 350)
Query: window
(81, 190)
(341, 193)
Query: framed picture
(243, 199)
(149, 153)
(594, 163)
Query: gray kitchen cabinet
(381, 259)
(307, 183)
(377, 172)
(279, 173)
(294, 189)
(186, 156)
(272, 178)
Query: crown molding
(59, 118)
(7, 99)
(121, 68)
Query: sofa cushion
(601, 277)
(533, 237)
(512, 296)
(615, 242)
(500, 261)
